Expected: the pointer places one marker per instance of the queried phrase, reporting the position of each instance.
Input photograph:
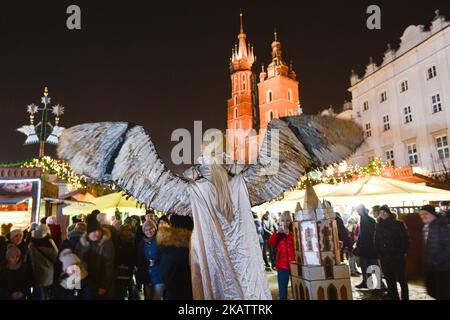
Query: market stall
(107, 204)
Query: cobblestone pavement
(417, 290)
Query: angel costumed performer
(226, 260)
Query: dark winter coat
(365, 245)
(285, 249)
(391, 238)
(98, 259)
(437, 249)
(125, 260)
(12, 281)
(146, 274)
(42, 255)
(173, 261)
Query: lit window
(235, 113)
(404, 86)
(269, 96)
(407, 114)
(383, 96)
(431, 73)
(366, 105)
(442, 147)
(390, 158)
(290, 95)
(412, 154)
(436, 103)
(386, 124)
(368, 130)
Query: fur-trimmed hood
(84, 240)
(175, 237)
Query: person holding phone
(283, 240)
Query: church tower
(278, 89)
(241, 105)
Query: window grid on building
(390, 157)
(436, 103)
(386, 124)
(407, 114)
(404, 86)
(431, 72)
(383, 96)
(412, 154)
(366, 105)
(368, 131)
(442, 147)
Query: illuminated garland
(58, 168)
(341, 173)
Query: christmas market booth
(370, 187)
(20, 195)
(108, 204)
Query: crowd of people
(148, 257)
(99, 259)
(370, 240)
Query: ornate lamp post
(44, 132)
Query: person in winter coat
(365, 245)
(96, 252)
(391, 243)
(149, 272)
(437, 254)
(283, 240)
(72, 282)
(173, 243)
(55, 230)
(125, 259)
(268, 226)
(13, 285)
(42, 255)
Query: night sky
(164, 64)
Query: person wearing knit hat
(92, 223)
(42, 253)
(16, 236)
(97, 254)
(437, 253)
(13, 275)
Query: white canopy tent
(107, 204)
(370, 191)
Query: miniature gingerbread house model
(318, 273)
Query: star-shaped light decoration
(58, 110)
(32, 108)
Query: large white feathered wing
(124, 154)
(294, 145)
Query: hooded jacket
(173, 262)
(97, 257)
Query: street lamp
(40, 133)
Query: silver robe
(226, 259)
